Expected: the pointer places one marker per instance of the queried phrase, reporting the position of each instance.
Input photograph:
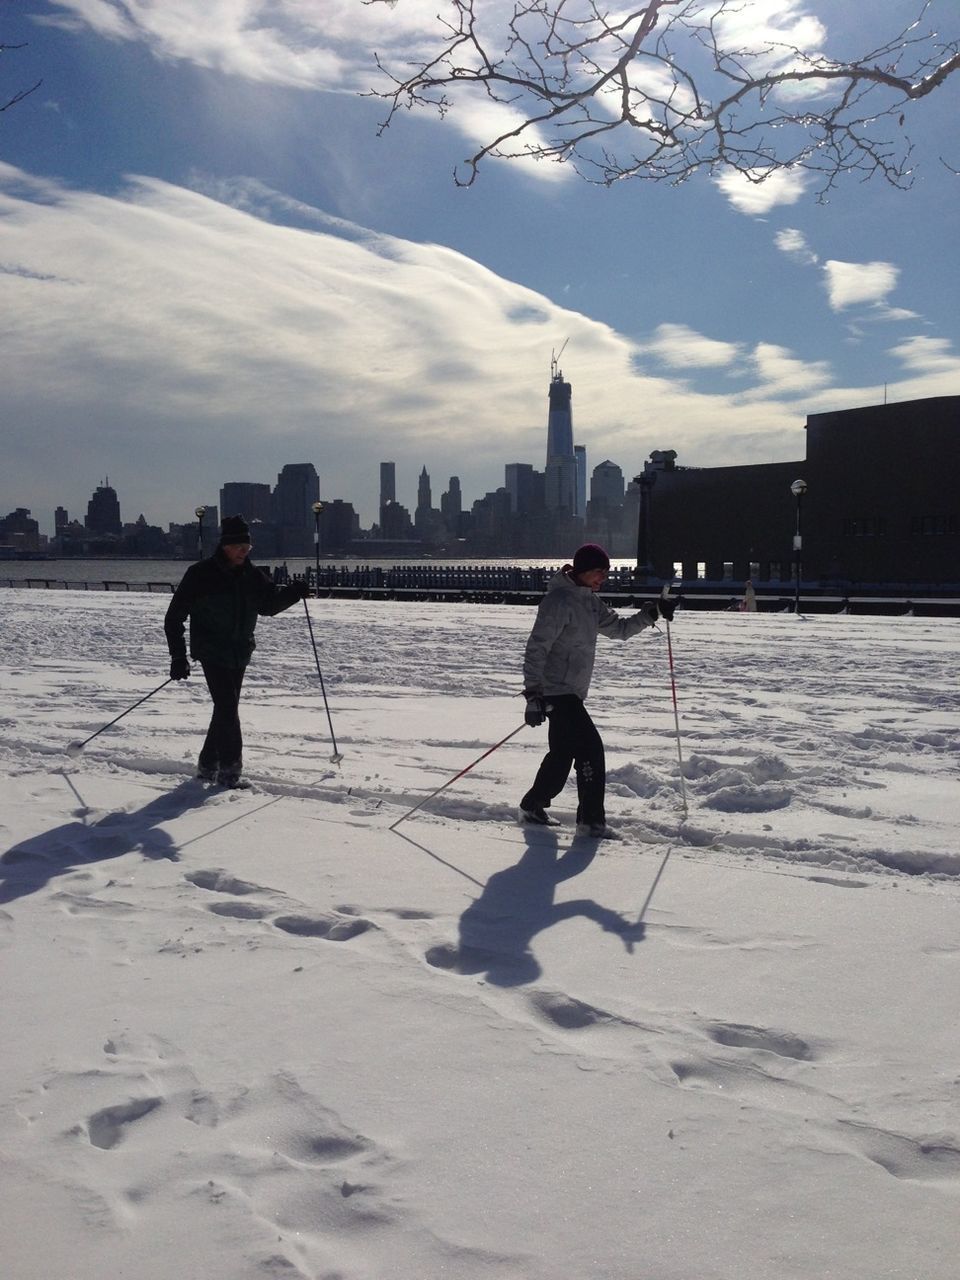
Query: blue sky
(211, 266)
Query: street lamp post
(317, 508)
(798, 489)
(200, 512)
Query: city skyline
(211, 263)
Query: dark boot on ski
(597, 831)
(535, 814)
(232, 778)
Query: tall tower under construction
(561, 471)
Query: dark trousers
(223, 745)
(572, 739)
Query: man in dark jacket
(557, 667)
(223, 596)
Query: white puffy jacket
(561, 648)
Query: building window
(728, 570)
(865, 527)
(932, 526)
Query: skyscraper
(424, 495)
(388, 483)
(103, 511)
(525, 487)
(606, 485)
(560, 488)
(451, 506)
(245, 498)
(560, 419)
(580, 453)
(298, 488)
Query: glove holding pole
(654, 610)
(536, 711)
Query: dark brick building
(882, 505)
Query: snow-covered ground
(259, 1034)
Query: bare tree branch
(666, 88)
(20, 93)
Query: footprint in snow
(222, 882)
(567, 1012)
(933, 1159)
(783, 1043)
(333, 928)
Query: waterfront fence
(525, 585)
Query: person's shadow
(498, 928)
(32, 864)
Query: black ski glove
(536, 711)
(653, 610)
(179, 669)
(301, 588)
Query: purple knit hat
(590, 556)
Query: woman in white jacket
(557, 666)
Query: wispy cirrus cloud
(319, 44)
(175, 340)
(680, 347)
(926, 355)
(794, 244)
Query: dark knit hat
(590, 556)
(233, 529)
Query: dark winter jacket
(223, 604)
(561, 648)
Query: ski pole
(336, 757)
(393, 825)
(74, 748)
(676, 722)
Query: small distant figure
(749, 603)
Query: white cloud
(923, 354)
(321, 44)
(174, 341)
(755, 194)
(678, 346)
(882, 312)
(773, 27)
(794, 243)
(782, 375)
(480, 120)
(851, 283)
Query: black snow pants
(572, 739)
(223, 745)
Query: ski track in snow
(786, 756)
